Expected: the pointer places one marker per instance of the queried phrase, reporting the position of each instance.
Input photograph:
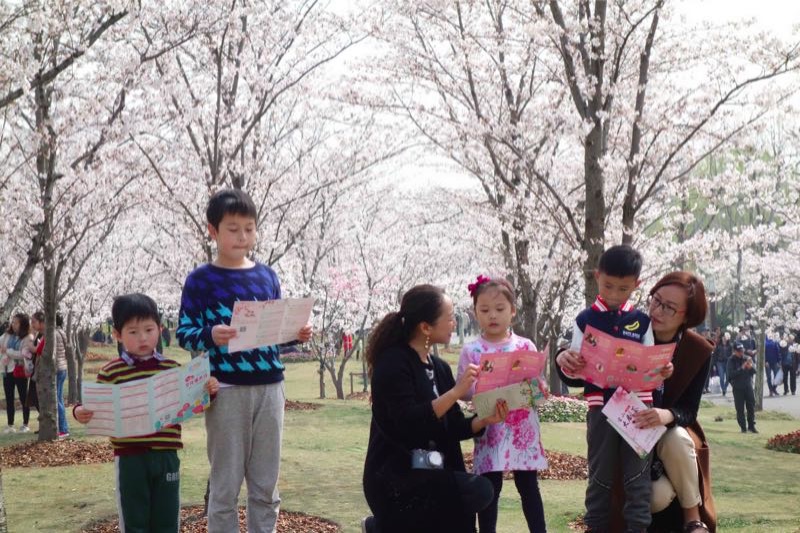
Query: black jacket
(403, 417)
(405, 500)
(738, 377)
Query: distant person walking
(789, 358)
(722, 352)
(772, 360)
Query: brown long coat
(690, 357)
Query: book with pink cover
(620, 411)
(613, 362)
(515, 377)
(499, 369)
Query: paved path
(787, 404)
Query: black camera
(426, 460)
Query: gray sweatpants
(244, 427)
(607, 449)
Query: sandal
(694, 525)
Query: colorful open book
(613, 362)
(515, 377)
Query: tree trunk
(527, 293)
(594, 210)
(45, 170)
(82, 347)
(760, 367)
(321, 373)
(46, 366)
(554, 382)
(72, 380)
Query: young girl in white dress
(514, 445)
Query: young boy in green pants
(147, 466)
(245, 424)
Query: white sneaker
(24, 429)
(10, 429)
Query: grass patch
(323, 455)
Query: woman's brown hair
(696, 302)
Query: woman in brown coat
(682, 498)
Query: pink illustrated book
(613, 362)
(620, 411)
(515, 377)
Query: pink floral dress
(515, 444)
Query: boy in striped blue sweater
(245, 424)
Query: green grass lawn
(323, 453)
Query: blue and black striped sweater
(207, 300)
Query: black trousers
(21, 384)
(789, 379)
(426, 501)
(528, 487)
(744, 398)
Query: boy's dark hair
(38, 315)
(131, 306)
(620, 261)
(230, 201)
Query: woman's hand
(304, 335)
(466, 381)
(667, 370)
(83, 415)
(570, 362)
(654, 417)
(222, 334)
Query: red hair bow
(478, 282)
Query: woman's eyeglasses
(654, 302)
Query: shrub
(563, 409)
(789, 442)
(296, 356)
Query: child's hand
(83, 415)
(222, 334)
(570, 362)
(304, 335)
(500, 413)
(212, 386)
(667, 370)
(467, 379)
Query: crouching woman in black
(414, 408)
